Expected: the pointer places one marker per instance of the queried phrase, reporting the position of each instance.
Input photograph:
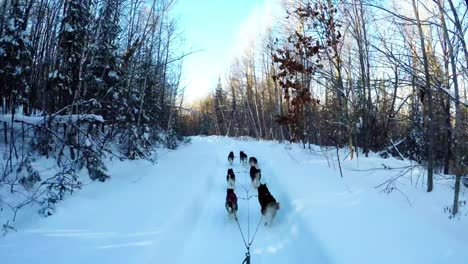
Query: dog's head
(231, 154)
(230, 172)
(262, 188)
(242, 154)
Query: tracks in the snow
(288, 239)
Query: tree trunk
(428, 90)
(460, 31)
(458, 118)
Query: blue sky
(220, 28)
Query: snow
(173, 212)
(88, 142)
(68, 28)
(113, 74)
(9, 39)
(452, 94)
(34, 120)
(11, 24)
(53, 74)
(21, 118)
(18, 71)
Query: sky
(220, 29)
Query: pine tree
(416, 142)
(96, 168)
(219, 107)
(66, 80)
(15, 58)
(104, 71)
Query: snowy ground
(173, 212)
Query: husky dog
(231, 203)
(255, 176)
(268, 203)
(231, 157)
(243, 157)
(231, 178)
(253, 162)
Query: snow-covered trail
(173, 212)
(217, 239)
(170, 212)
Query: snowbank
(35, 120)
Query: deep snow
(173, 212)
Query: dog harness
(231, 197)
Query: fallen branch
(385, 167)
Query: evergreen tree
(219, 107)
(15, 58)
(104, 71)
(66, 80)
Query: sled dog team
(268, 203)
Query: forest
(82, 81)
(370, 76)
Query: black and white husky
(255, 176)
(231, 203)
(268, 204)
(253, 162)
(231, 179)
(231, 157)
(243, 157)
